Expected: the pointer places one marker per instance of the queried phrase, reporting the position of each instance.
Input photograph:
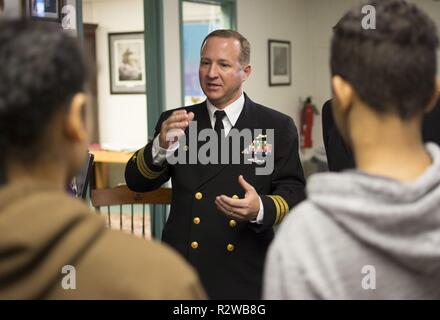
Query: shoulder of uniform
(271, 114)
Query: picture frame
(48, 10)
(127, 62)
(280, 68)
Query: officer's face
(221, 73)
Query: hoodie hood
(41, 231)
(400, 219)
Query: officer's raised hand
(174, 127)
(241, 209)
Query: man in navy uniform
(222, 215)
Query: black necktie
(218, 126)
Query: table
(101, 161)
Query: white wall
(261, 20)
(122, 117)
(321, 16)
(306, 23)
(256, 22)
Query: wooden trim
(111, 156)
(122, 195)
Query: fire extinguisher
(307, 113)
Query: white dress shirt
(232, 111)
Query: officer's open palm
(241, 209)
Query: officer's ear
(247, 70)
(435, 97)
(343, 93)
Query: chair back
(127, 210)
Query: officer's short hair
(245, 52)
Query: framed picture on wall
(127, 62)
(279, 63)
(49, 10)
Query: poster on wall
(279, 63)
(49, 10)
(127, 63)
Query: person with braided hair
(43, 143)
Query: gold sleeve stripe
(285, 206)
(283, 209)
(277, 207)
(143, 169)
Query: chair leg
(143, 220)
(120, 216)
(109, 219)
(132, 219)
(158, 219)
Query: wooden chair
(122, 196)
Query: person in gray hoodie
(372, 232)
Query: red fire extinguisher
(307, 113)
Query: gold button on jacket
(232, 223)
(199, 195)
(196, 220)
(196, 186)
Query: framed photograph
(279, 63)
(45, 9)
(127, 62)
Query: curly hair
(393, 67)
(41, 70)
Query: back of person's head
(392, 68)
(42, 73)
(245, 46)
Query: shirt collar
(232, 111)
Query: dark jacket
(228, 255)
(339, 155)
